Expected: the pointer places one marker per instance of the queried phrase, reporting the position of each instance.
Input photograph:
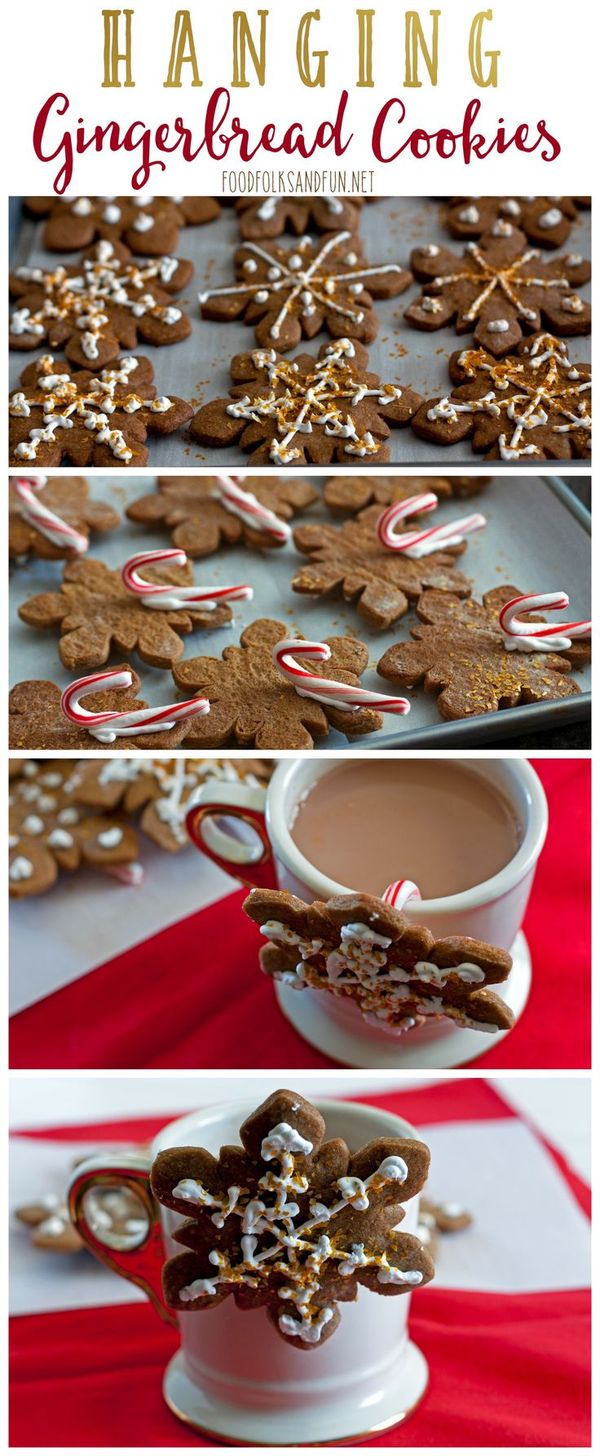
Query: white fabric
(529, 1233)
(88, 918)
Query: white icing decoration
(290, 278)
(20, 868)
(313, 401)
(300, 1251)
(110, 838)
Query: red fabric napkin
(193, 995)
(505, 1370)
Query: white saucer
(317, 1016)
(337, 1421)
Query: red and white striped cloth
(505, 1325)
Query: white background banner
(524, 47)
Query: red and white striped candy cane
(421, 543)
(523, 636)
(400, 892)
(110, 725)
(326, 690)
(245, 505)
(168, 597)
(44, 520)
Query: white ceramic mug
(233, 1376)
(492, 911)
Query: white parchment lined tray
(198, 369)
(537, 538)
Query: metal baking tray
(198, 368)
(537, 538)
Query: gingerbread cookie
(459, 654)
(269, 217)
(292, 293)
(294, 411)
(96, 614)
(395, 972)
(535, 404)
(546, 221)
(105, 303)
(51, 1227)
(48, 831)
(253, 705)
(500, 289)
(146, 224)
(290, 1221)
(162, 789)
(350, 560)
(29, 533)
(36, 720)
(75, 417)
(200, 521)
(109, 1211)
(440, 1218)
(348, 494)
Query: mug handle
(252, 864)
(141, 1264)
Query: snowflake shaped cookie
(350, 559)
(269, 217)
(95, 614)
(100, 306)
(78, 418)
(290, 411)
(49, 831)
(501, 289)
(252, 704)
(458, 653)
(346, 495)
(35, 719)
(162, 788)
(291, 1221)
(534, 404)
(288, 293)
(546, 221)
(396, 973)
(199, 522)
(69, 498)
(146, 224)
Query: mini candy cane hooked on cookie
(400, 892)
(523, 636)
(44, 520)
(245, 505)
(168, 597)
(422, 543)
(108, 726)
(326, 690)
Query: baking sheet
(198, 368)
(536, 539)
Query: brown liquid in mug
(365, 824)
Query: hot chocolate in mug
(233, 1376)
(262, 851)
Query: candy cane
(110, 725)
(132, 875)
(325, 690)
(176, 598)
(422, 543)
(520, 636)
(400, 892)
(245, 505)
(44, 520)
